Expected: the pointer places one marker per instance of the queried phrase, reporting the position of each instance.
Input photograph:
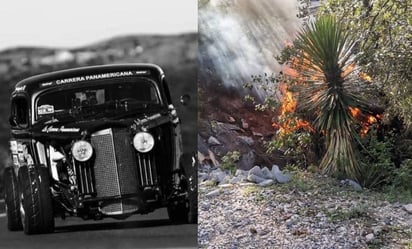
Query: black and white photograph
(98, 124)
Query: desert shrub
(403, 176)
(229, 161)
(375, 156)
(295, 145)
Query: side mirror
(185, 99)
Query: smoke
(240, 38)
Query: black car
(95, 142)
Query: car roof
(32, 84)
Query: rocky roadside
(308, 211)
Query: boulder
(247, 160)
(240, 172)
(408, 208)
(257, 171)
(213, 141)
(217, 175)
(247, 140)
(279, 176)
(267, 173)
(255, 179)
(266, 183)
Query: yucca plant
(328, 86)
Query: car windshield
(98, 100)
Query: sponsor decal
(46, 84)
(95, 77)
(48, 129)
(45, 109)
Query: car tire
(189, 166)
(12, 200)
(36, 206)
(185, 211)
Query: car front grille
(147, 169)
(85, 177)
(115, 169)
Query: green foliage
(403, 176)
(268, 84)
(384, 47)
(295, 145)
(229, 161)
(375, 156)
(378, 170)
(340, 215)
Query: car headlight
(143, 142)
(82, 150)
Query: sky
(75, 23)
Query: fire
(366, 120)
(365, 77)
(286, 123)
(354, 111)
(288, 104)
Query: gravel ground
(311, 211)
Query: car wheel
(185, 210)
(189, 166)
(12, 200)
(178, 212)
(36, 207)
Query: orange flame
(365, 77)
(289, 124)
(366, 120)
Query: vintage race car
(95, 142)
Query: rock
(245, 125)
(231, 119)
(289, 223)
(213, 193)
(225, 180)
(213, 141)
(266, 183)
(238, 179)
(266, 173)
(240, 172)
(377, 230)
(208, 183)
(202, 176)
(227, 185)
(202, 146)
(247, 160)
(353, 184)
(257, 171)
(255, 179)
(228, 127)
(279, 176)
(217, 175)
(369, 237)
(257, 134)
(247, 140)
(408, 208)
(243, 184)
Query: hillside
(175, 54)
